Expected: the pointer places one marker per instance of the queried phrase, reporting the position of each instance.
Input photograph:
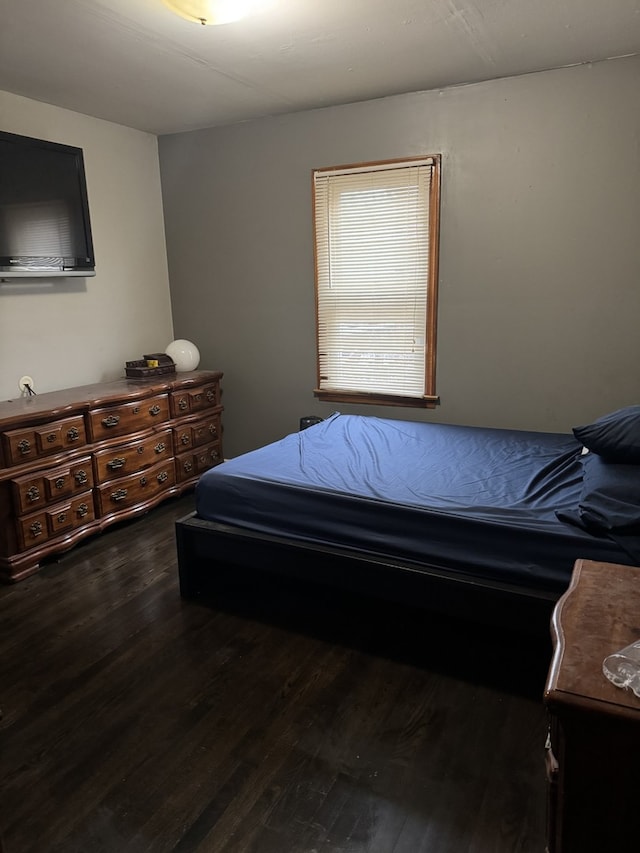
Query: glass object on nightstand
(622, 668)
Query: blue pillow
(610, 496)
(615, 437)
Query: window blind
(372, 274)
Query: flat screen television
(45, 228)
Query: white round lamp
(185, 355)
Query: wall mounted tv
(45, 228)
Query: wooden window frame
(428, 399)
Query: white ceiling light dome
(215, 12)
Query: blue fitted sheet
(477, 500)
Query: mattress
(476, 500)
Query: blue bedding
(481, 501)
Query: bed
(486, 521)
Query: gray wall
(540, 255)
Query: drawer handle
(24, 447)
(114, 464)
(211, 395)
(197, 397)
(184, 438)
(59, 483)
(81, 477)
(188, 466)
(36, 528)
(118, 495)
(154, 410)
(51, 437)
(212, 429)
(162, 477)
(160, 447)
(111, 421)
(215, 455)
(82, 510)
(182, 404)
(143, 481)
(136, 410)
(33, 494)
(73, 434)
(62, 517)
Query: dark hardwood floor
(272, 720)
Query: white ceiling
(136, 63)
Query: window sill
(427, 402)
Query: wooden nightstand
(593, 749)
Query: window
(376, 252)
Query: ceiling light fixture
(213, 12)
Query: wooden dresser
(74, 461)
(593, 750)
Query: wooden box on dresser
(593, 749)
(74, 461)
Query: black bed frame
(209, 551)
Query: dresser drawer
(44, 487)
(193, 464)
(23, 445)
(38, 527)
(196, 433)
(128, 417)
(195, 400)
(128, 458)
(135, 488)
